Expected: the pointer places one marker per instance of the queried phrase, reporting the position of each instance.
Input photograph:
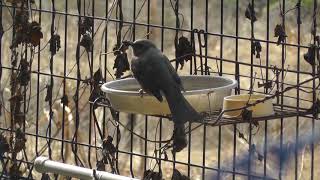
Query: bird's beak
(127, 43)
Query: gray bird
(157, 76)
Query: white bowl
(239, 101)
(204, 93)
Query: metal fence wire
(55, 55)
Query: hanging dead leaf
(20, 141)
(95, 94)
(250, 13)
(121, 64)
(97, 77)
(14, 171)
(55, 44)
(21, 20)
(310, 56)
(165, 155)
(24, 75)
(265, 85)
(49, 93)
(1, 30)
(279, 31)
(176, 175)
(4, 145)
(85, 25)
(87, 42)
(35, 33)
(246, 115)
(151, 175)
(241, 135)
(260, 157)
(184, 51)
(256, 48)
(64, 100)
(19, 118)
(315, 108)
(100, 165)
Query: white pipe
(44, 165)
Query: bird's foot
(141, 93)
(179, 138)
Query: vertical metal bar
(2, 99)
(237, 77)
(145, 142)
(91, 123)
(160, 137)
(162, 48)
(120, 19)
(118, 134)
(221, 37)
(148, 18)
(117, 143)
(64, 77)
(38, 88)
(189, 129)
(205, 38)
(178, 23)
(191, 27)
(296, 162)
(201, 55)
(12, 79)
(133, 117)
(84, 7)
(76, 96)
(25, 106)
(220, 74)
(251, 57)
(267, 45)
(283, 51)
(266, 91)
(134, 21)
(25, 94)
(92, 57)
(205, 71)
(146, 131)
(177, 64)
(105, 64)
(204, 152)
(51, 80)
(1, 35)
(251, 88)
(132, 121)
(314, 95)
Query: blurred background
(229, 38)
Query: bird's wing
(145, 72)
(135, 69)
(172, 71)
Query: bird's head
(139, 46)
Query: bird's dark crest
(144, 42)
(141, 46)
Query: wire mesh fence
(55, 55)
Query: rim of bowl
(233, 83)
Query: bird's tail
(180, 108)
(181, 112)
